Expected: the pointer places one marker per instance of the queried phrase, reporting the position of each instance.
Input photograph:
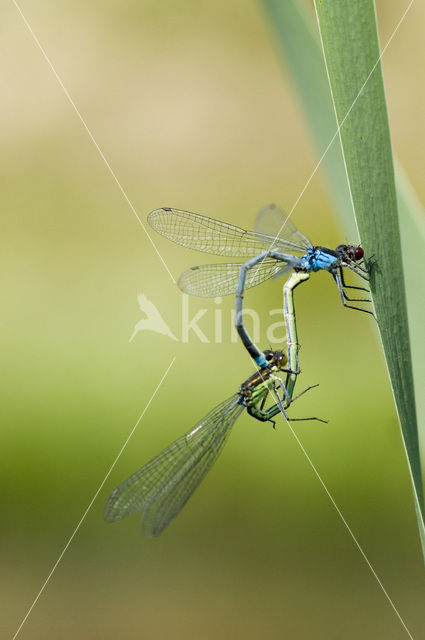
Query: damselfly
(162, 486)
(266, 253)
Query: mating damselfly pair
(161, 487)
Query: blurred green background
(192, 109)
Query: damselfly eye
(358, 253)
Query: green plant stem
(350, 44)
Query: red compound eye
(358, 253)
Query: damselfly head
(350, 253)
(275, 358)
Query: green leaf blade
(350, 44)
(302, 52)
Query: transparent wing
(206, 234)
(272, 221)
(162, 486)
(282, 272)
(210, 280)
